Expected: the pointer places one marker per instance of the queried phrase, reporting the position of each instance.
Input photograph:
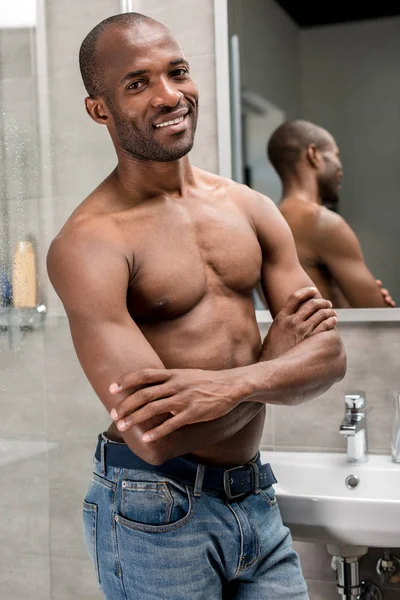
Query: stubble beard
(143, 145)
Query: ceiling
(311, 14)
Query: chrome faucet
(396, 428)
(354, 427)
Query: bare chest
(182, 254)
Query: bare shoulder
(261, 211)
(80, 230)
(237, 191)
(212, 182)
(90, 222)
(89, 238)
(330, 223)
(249, 201)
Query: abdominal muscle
(217, 343)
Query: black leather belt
(234, 483)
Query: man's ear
(313, 155)
(96, 109)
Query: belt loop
(104, 441)
(256, 477)
(198, 484)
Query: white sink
(317, 505)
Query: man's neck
(302, 186)
(148, 179)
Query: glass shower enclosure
(51, 157)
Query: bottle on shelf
(24, 282)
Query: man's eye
(135, 85)
(179, 72)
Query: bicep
(110, 348)
(107, 341)
(281, 272)
(341, 253)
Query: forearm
(201, 408)
(302, 373)
(195, 436)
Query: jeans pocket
(269, 495)
(90, 517)
(155, 506)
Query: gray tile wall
(372, 366)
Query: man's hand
(386, 294)
(302, 316)
(189, 395)
(195, 395)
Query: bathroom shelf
(349, 315)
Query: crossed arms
(109, 345)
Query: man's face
(330, 174)
(148, 86)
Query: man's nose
(166, 95)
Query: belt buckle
(227, 484)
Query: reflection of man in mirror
(307, 160)
(156, 269)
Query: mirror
(340, 72)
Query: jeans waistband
(234, 483)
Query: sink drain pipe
(348, 582)
(347, 577)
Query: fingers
(131, 403)
(312, 306)
(165, 428)
(319, 317)
(386, 294)
(389, 301)
(326, 325)
(298, 298)
(160, 407)
(387, 297)
(139, 378)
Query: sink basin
(317, 505)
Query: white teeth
(174, 122)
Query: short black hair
(289, 140)
(91, 70)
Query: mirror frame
(223, 106)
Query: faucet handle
(355, 400)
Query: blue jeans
(149, 537)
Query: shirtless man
(306, 159)
(156, 269)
